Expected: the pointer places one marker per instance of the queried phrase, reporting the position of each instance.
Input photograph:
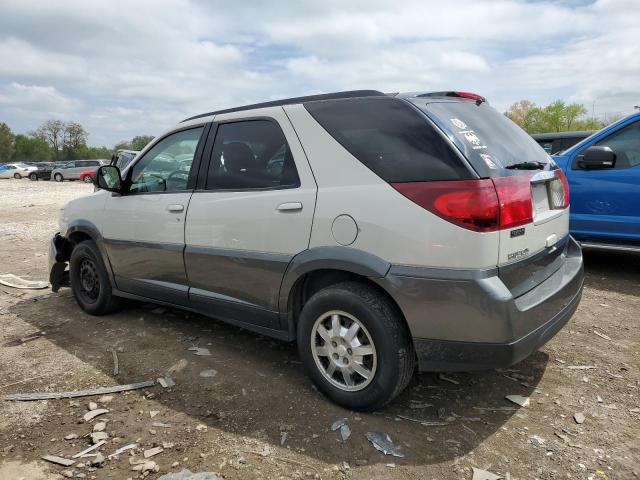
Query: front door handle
(175, 208)
(289, 207)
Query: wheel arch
(82, 230)
(321, 267)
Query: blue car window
(626, 145)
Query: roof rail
(290, 101)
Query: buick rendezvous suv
(378, 231)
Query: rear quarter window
(391, 138)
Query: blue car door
(605, 204)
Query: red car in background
(88, 176)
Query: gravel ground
(247, 411)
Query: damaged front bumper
(59, 254)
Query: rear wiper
(527, 166)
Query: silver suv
(72, 170)
(379, 232)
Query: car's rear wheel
(33, 177)
(58, 177)
(17, 176)
(90, 281)
(355, 345)
(87, 179)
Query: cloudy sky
(124, 68)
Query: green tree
(7, 143)
(52, 132)
(141, 141)
(32, 149)
(518, 111)
(74, 143)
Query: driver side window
(166, 167)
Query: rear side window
(251, 154)
(389, 137)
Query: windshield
(486, 137)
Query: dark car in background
(43, 172)
(556, 142)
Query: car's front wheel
(355, 345)
(58, 177)
(17, 176)
(90, 281)
(33, 177)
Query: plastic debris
(208, 373)
(383, 443)
(345, 432)
(91, 414)
(202, 352)
(131, 446)
(166, 382)
(581, 367)
(90, 449)
(152, 452)
(579, 417)
(116, 366)
(283, 437)
(518, 400)
(11, 280)
(58, 460)
(442, 376)
(338, 423)
(97, 437)
(80, 393)
(602, 335)
(479, 474)
(188, 475)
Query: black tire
(87, 179)
(58, 177)
(17, 176)
(90, 281)
(33, 177)
(388, 332)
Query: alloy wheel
(343, 351)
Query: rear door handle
(174, 208)
(290, 207)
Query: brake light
(514, 195)
(559, 190)
(480, 205)
(472, 96)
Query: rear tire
(87, 179)
(90, 281)
(58, 177)
(33, 177)
(17, 176)
(379, 359)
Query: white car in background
(16, 170)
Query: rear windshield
(486, 137)
(391, 138)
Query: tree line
(555, 117)
(56, 140)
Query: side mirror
(597, 158)
(109, 178)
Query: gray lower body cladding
(465, 320)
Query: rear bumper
(469, 320)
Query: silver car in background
(72, 170)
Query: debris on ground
(90, 449)
(65, 462)
(417, 404)
(131, 446)
(345, 432)
(25, 397)
(208, 373)
(424, 423)
(145, 466)
(152, 452)
(442, 376)
(338, 423)
(166, 382)
(579, 417)
(97, 437)
(116, 366)
(97, 461)
(479, 474)
(202, 352)
(283, 437)
(602, 335)
(581, 367)
(383, 443)
(518, 400)
(187, 475)
(14, 281)
(91, 414)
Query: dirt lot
(256, 414)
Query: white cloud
(124, 68)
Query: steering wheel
(179, 176)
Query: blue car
(603, 172)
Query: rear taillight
(480, 205)
(559, 190)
